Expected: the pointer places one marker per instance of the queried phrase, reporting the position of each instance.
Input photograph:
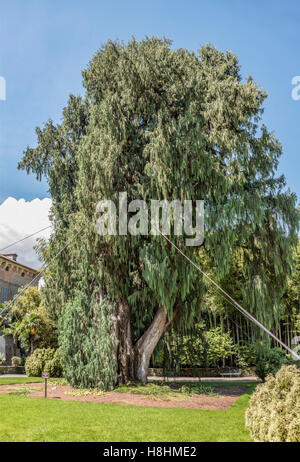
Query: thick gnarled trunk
(145, 346)
(133, 360)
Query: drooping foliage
(162, 123)
(88, 343)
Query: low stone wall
(12, 370)
(195, 372)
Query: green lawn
(34, 419)
(12, 380)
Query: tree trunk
(133, 360)
(144, 347)
(15, 346)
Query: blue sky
(46, 43)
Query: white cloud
(18, 219)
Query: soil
(226, 397)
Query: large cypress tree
(169, 124)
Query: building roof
(14, 262)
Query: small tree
(29, 309)
(30, 301)
(29, 328)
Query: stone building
(13, 275)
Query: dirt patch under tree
(222, 398)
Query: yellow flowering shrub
(274, 411)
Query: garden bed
(220, 399)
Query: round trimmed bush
(54, 366)
(274, 411)
(35, 363)
(33, 366)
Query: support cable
(26, 237)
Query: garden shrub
(54, 365)
(274, 410)
(197, 389)
(186, 351)
(33, 366)
(245, 356)
(270, 361)
(35, 363)
(202, 348)
(220, 346)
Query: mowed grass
(36, 419)
(12, 380)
